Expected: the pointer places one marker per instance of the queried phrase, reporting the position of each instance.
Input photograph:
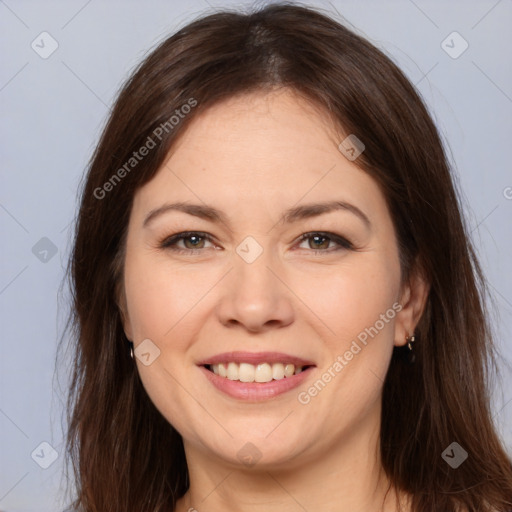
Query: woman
(276, 302)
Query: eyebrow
(289, 216)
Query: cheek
(159, 299)
(357, 306)
(161, 306)
(351, 297)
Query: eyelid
(342, 242)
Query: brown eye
(195, 241)
(192, 240)
(320, 241)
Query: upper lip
(255, 358)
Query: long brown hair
(125, 456)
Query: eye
(319, 241)
(192, 240)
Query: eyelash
(170, 242)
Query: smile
(253, 376)
(246, 372)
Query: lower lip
(255, 391)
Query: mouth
(255, 376)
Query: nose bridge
(254, 296)
(253, 280)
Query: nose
(255, 296)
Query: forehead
(258, 123)
(260, 152)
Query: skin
(253, 157)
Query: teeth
(264, 372)
(223, 371)
(246, 372)
(232, 371)
(278, 371)
(289, 369)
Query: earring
(131, 349)
(411, 356)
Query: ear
(413, 298)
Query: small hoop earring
(131, 349)
(411, 356)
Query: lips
(245, 375)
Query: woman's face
(244, 290)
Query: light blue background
(52, 113)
